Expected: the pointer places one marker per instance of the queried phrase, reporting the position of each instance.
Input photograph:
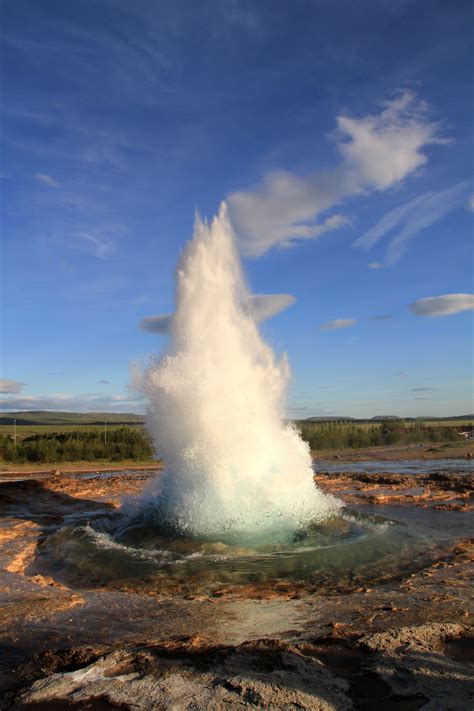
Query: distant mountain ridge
(381, 418)
(46, 417)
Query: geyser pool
(340, 553)
(215, 410)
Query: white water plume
(215, 408)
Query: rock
(422, 661)
(266, 674)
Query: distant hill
(334, 418)
(381, 418)
(44, 417)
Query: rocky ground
(404, 642)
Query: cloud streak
(443, 305)
(47, 180)
(377, 152)
(408, 220)
(338, 323)
(100, 246)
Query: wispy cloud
(383, 317)
(98, 245)
(443, 305)
(421, 390)
(377, 151)
(337, 324)
(47, 180)
(410, 219)
(470, 202)
(10, 386)
(103, 382)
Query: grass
(23, 431)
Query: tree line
(132, 443)
(338, 435)
(120, 443)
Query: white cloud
(375, 265)
(47, 180)
(338, 323)
(384, 148)
(261, 306)
(377, 151)
(470, 202)
(278, 211)
(410, 219)
(10, 386)
(443, 305)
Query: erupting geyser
(215, 408)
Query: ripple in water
(346, 550)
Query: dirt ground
(401, 642)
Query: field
(23, 431)
(42, 444)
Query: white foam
(215, 407)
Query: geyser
(215, 410)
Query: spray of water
(215, 409)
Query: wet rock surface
(450, 490)
(402, 641)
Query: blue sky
(340, 135)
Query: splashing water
(215, 406)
